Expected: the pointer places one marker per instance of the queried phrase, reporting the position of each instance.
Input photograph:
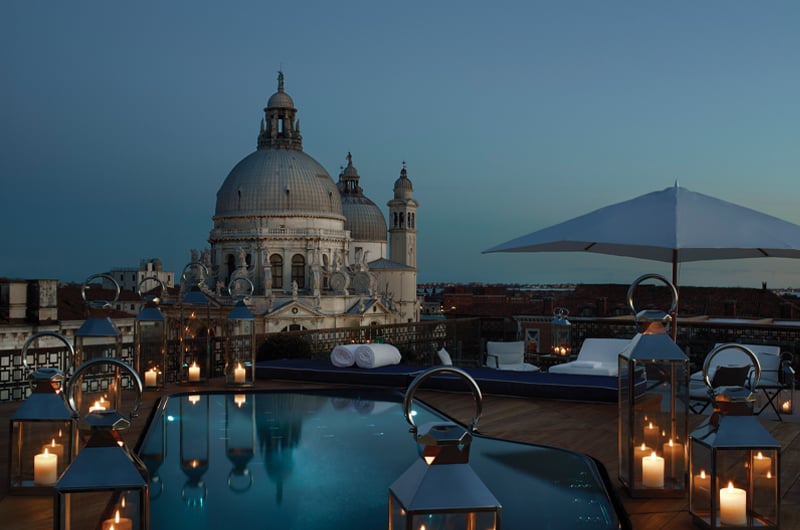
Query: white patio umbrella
(673, 225)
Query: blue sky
(122, 120)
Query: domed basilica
(314, 252)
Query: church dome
(364, 219)
(280, 100)
(279, 182)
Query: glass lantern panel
(765, 495)
(94, 347)
(120, 509)
(700, 470)
(786, 400)
(104, 386)
(40, 452)
(240, 353)
(150, 352)
(195, 349)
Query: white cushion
(444, 357)
(519, 367)
(602, 350)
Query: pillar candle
(673, 456)
(639, 452)
(653, 471)
(117, 523)
(239, 374)
(45, 467)
(100, 404)
(732, 505)
(194, 372)
(651, 435)
(761, 465)
(150, 377)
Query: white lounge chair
(508, 356)
(597, 356)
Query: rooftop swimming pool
(320, 459)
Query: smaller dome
(402, 186)
(280, 100)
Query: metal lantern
(195, 311)
(440, 490)
(786, 393)
(240, 439)
(195, 447)
(150, 339)
(105, 475)
(97, 336)
(43, 431)
(653, 405)
(734, 463)
(240, 339)
(560, 332)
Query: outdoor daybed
(597, 356)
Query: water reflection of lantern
(240, 338)
(194, 442)
(153, 452)
(149, 338)
(240, 439)
(43, 431)
(97, 336)
(560, 332)
(653, 405)
(440, 490)
(105, 473)
(734, 463)
(195, 336)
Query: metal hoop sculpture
(193, 265)
(150, 298)
(71, 384)
(412, 388)
(99, 303)
(59, 336)
(731, 346)
(666, 282)
(250, 288)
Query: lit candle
(194, 372)
(702, 488)
(150, 377)
(651, 435)
(240, 399)
(786, 406)
(639, 452)
(732, 505)
(45, 467)
(239, 374)
(118, 523)
(653, 471)
(761, 464)
(54, 448)
(673, 454)
(100, 404)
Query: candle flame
(45, 451)
(116, 517)
(702, 473)
(670, 442)
(53, 443)
(769, 474)
(730, 486)
(643, 446)
(122, 503)
(653, 454)
(650, 426)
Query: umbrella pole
(675, 283)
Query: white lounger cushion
(596, 357)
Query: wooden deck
(589, 428)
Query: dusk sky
(121, 120)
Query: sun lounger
(597, 356)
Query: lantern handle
(150, 298)
(640, 279)
(250, 288)
(193, 265)
(55, 334)
(99, 303)
(412, 388)
(731, 346)
(71, 386)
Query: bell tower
(403, 222)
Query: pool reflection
(324, 460)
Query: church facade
(306, 251)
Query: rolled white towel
(344, 355)
(375, 355)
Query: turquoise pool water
(324, 460)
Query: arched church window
(394, 223)
(230, 266)
(299, 270)
(276, 264)
(402, 220)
